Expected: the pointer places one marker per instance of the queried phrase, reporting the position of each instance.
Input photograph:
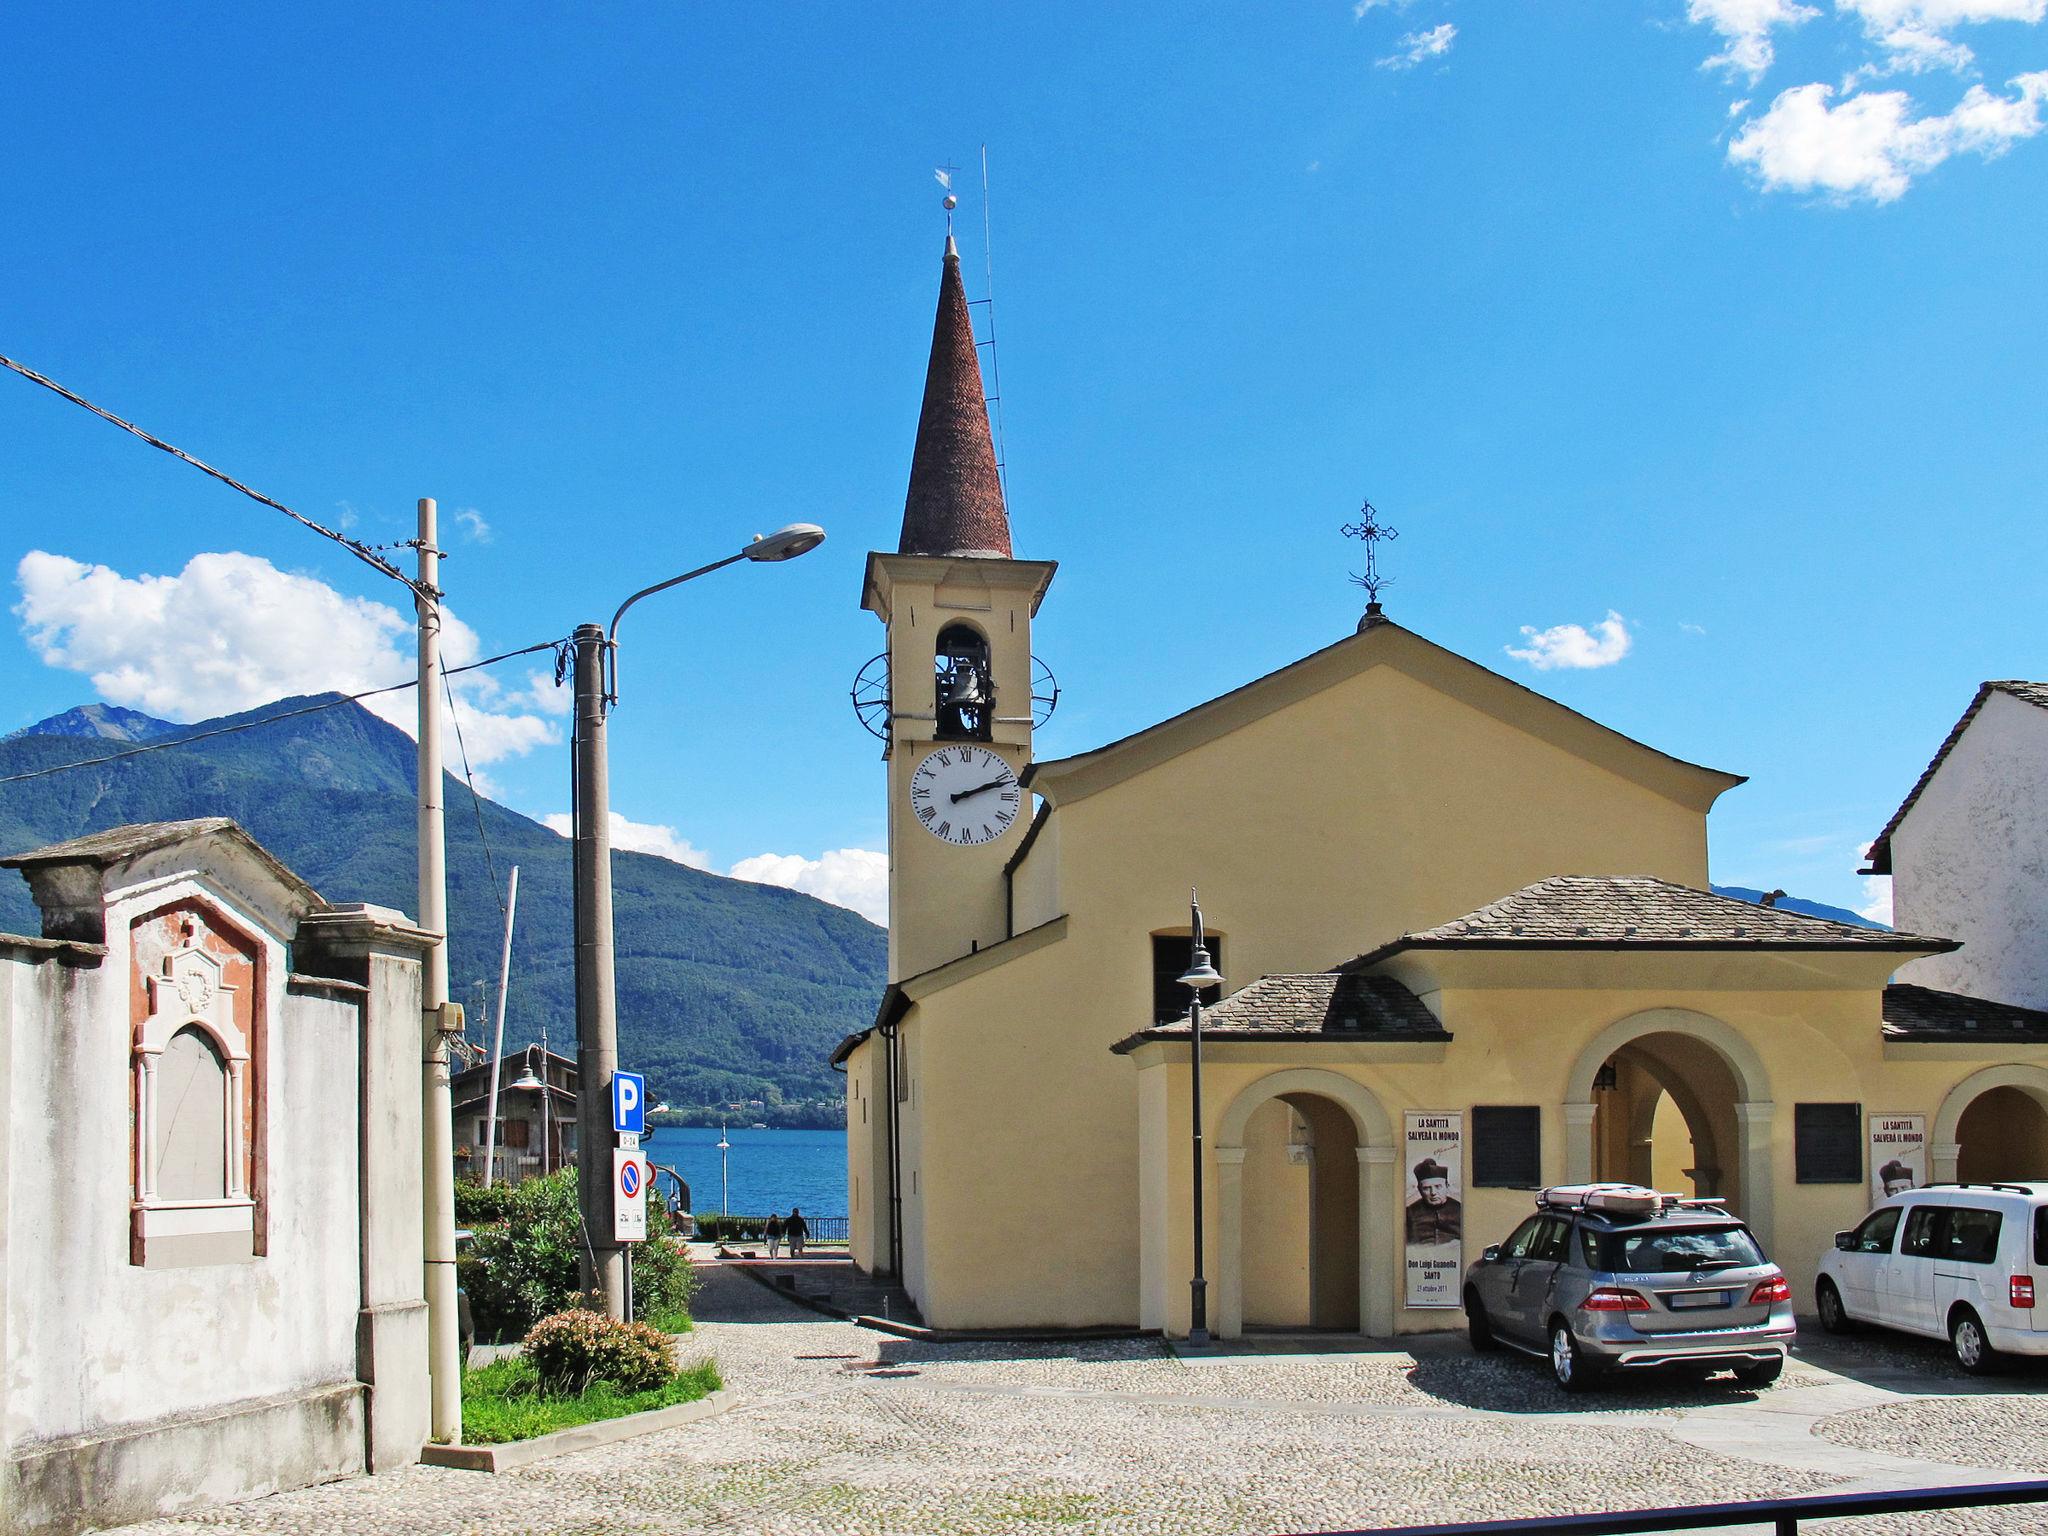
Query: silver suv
(1606, 1278)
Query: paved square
(846, 1430)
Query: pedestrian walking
(775, 1230)
(797, 1230)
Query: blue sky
(1724, 319)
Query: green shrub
(476, 1206)
(525, 1265)
(571, 1351)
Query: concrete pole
(498, 1047)
(444, 1350)
(597, 1021)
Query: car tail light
(1613, 1298)
(2023, 1291)
(1770, 1292)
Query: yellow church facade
(1468, 949)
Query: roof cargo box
(1613, 1199)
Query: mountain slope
(726, 989)
(1798, 904)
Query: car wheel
(1572, 1368)
(1761, 1374)
(1973, 1350)
(1834, 1317)
(1478, 1326)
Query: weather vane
(1369, 530)
(944, 174)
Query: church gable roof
(2018, 688)
(1327, 1005)
(1933, 1017)
(1637, 912)
(1381, 642)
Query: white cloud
(1745, 28)
(846, 877)
(1914, 34)
(473, 524)
(1361, 8)
(1692, 629)
(1869, 145)
(1416, 47)
(1877, 899)
(640, 837)
(232, 631)
(1573, 645)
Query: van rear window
(1972, 1235)
(2041, 1234)
(1672, 1250)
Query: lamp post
(597, 1022)
(1200, 975)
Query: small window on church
(1170, 954)
(1827, 1143)
(963, 685)
(1507, 1146)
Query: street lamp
(1200, 975)
(597, 1022)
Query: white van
(1963, 1262)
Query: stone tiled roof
(1327, 1005)
(1636, 912)
(2026, 692)
(955, 503)
(118, 843)
(1926, 1015)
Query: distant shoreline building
(1468, 945)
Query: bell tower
(953, 697)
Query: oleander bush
(524, 1266)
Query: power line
(250, 725)
(475, 801)
(356, 547)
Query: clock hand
(978, 789)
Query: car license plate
(1699, 1298)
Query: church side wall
(1970, 861)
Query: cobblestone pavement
(844, 1430)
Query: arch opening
(1664, 1115)
(2002, 1136)
(1300, 1234)
(964, 684)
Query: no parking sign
(630, 1172)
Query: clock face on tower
(965, 795)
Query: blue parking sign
(629, 1103)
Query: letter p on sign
(629, 1103)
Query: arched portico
(1945, 1140)
(1377, 1196)
(1753, 1108)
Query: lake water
(768, 1170)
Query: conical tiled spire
(955, 505)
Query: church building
(1467, 944)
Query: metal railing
(1782, 1515)
(829, 1230)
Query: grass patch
(674, 1320)
(503, 1401)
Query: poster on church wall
(1433, 1148)
(1898, 1154)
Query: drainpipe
(895, 1163)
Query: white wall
(1970, 861)
(94, 1342)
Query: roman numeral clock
(964, 795)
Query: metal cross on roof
(1370, 531)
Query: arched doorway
(1675, 1099)
(1300, 1233)
(1305, 1191)
(1993, 1127)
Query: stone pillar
(1753, 1122)
(1378, 1200)
(1942, 1159)
(1578, 1143)
(381, 952)
(1229, 1308)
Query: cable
(250, 725)
(475, 801)
(356, 547)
